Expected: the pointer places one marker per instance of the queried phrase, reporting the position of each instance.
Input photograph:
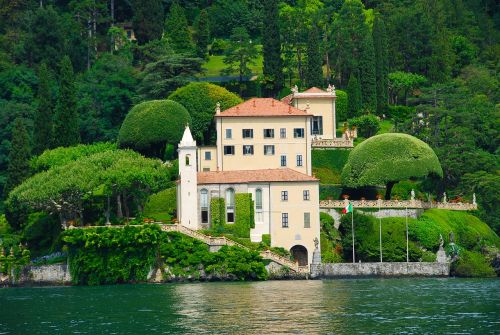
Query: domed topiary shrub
(388, 158)
(200, 100)
(150, 125)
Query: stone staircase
(217, 242)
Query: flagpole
(380, 230)
(407, 251)
(352, 227)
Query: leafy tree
(388, 158)
(341, 111)
(225, 15)
(147, 20)
(367, 74)
(353, 96)
(202, 34)
(19, 168)
(105, 93)
(271, 47)
(150, 125)
(240, 53)
(177, 30)
(200, 100)
(17, 84)
(165, 75)
(66, 129)
(368, 125)
(403, 82)
(42, 130)
(314, 70)
(381, 63)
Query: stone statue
(295, 89)
(474, 199)
(452, 237)
(217, 108)
(412, 193)
(316, 242)
(444, 198)
(441, 241)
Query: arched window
(230, 205)
(258, 199)
(188, 157)
(204, 205)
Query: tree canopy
(200, 99)
(151, 125)
(387, 158)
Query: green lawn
(386, 126)
(215, 64)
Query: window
(307, 220)
(187, 160)
(317, 125)
(229, 150)
(230, 205)
(306, 194)
(258, 199)
(269, 150)
(268, 133)
(204, 205)
(298, 132)
(299, 160)
(229, 133)
(284, 195)
(208, 155)
(248, 150)
(206, 169)
(284, 220)
(283, 160)
(283, 133)
(247, 133)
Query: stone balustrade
(457, 206)
(332, 143)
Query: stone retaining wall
(55, 274)
(396, 269)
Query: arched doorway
(299, 253)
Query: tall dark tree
(19, 167)
(202, 34)
(42, 130)
(147, 20)
(354, 103)
(314, 70)
(367, 74)
(271, 46)
(66, 128)
(381, 63)
(177, 30)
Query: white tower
(187, 188)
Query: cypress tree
(18, 168)
(314, 70)
(66, 128)
(353, 96)
(42, 132)
(271, 46)
(381, 63)
(202, 34)
(176, 28)
(367, 74)
(147, 20)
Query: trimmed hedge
(388, 158)
(217, 214)
(328, 164)
(244, 215)
(471, 264)
(341, 105)
(162, 205)
(368, 125)
(200, 99)
(150, 125)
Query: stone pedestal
(316, 266)
(441, 256)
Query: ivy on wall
(244, 216)
(217, 214)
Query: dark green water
(367, 306)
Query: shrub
(266, 239)
(327, 192)
(341, 105)
(368, 125)
(400, 114)
(150, 125)
(402, 190)
(472, 264)
(200, 100)
(218, 214)
(244, 215)
(388, 158)
(162, 205)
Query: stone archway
(299, 253)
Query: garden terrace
(457, 206)
(333, 143)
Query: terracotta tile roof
(252, 176)
(314, 90)
(262, 107)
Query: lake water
(364, 306)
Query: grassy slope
(328, 164)
(215, 64)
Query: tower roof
(187, 138)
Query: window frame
(209, 155)
(271, 132)
(250, 130)
(269, 146)
(283, 161)
(306, 195)
(297, 132)
(307, 223)
(284, 195)
(229, 154)
(284, 220)
(247, 146)
(230, 132)
(299, 161)
(282, 132)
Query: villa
(263, 148)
